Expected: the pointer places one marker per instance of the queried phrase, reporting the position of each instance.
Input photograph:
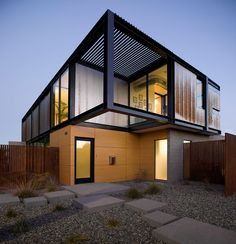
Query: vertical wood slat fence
(214, 161)
(16, 161)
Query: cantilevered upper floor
(120, 78)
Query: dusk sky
(36, 38)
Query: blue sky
(36, 37)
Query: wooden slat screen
(207, 161)
(230, 164)
(16, 161)
(185, 97)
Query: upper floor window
(199, 95)
(60, 99)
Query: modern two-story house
(121, 107)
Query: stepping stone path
(97, 202)
(35, 202)
(158, 218)
(96, 189)
(187, 230)
(9, 200)
(57, 196)
(144, 205)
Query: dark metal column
(206, 102)
(71, 111)
(171, 89)
(109, 60)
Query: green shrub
(10, 213)
(77, 238)
(58, 207)
(134, 193)
(112, 222)
(152, 189)
(20, 227)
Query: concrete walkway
(96, 188)
(190, 231)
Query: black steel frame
(106, 25)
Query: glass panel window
(45, 114)
(199, 93)
(64, 96)
(56, 103)
(28, 128)
(138, 94)
(157, 91)
(35, 122)
(88, 89)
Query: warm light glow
(83, 149)
(161, 159)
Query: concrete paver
(96, 188)
(187, 230)
(97, 202)
(158, 218)
(35, 202)
(9, 200)
(144, 205)
(57, 196)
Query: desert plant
(58, 207)
(112, 222)
(51, 184)
(77, 238)
(40, 180)
(11, 213)
(152, 189)
(134, 193)
(21, 226)
(25, 188)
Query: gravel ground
(196, 200)
(203, 202)
(47, 226)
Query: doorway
(84, 160)
(161, 159)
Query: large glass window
(35, 122)
(28, 128)
(157, 91)
(45, 114)
(56, 103)
(88, 89)
(64, 96)
(120, 91)
(138, 94)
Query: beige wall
(125, 146)
(134, 153)
(147, 152)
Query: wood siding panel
(213, 104)
(185, 97)
(230, 164)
